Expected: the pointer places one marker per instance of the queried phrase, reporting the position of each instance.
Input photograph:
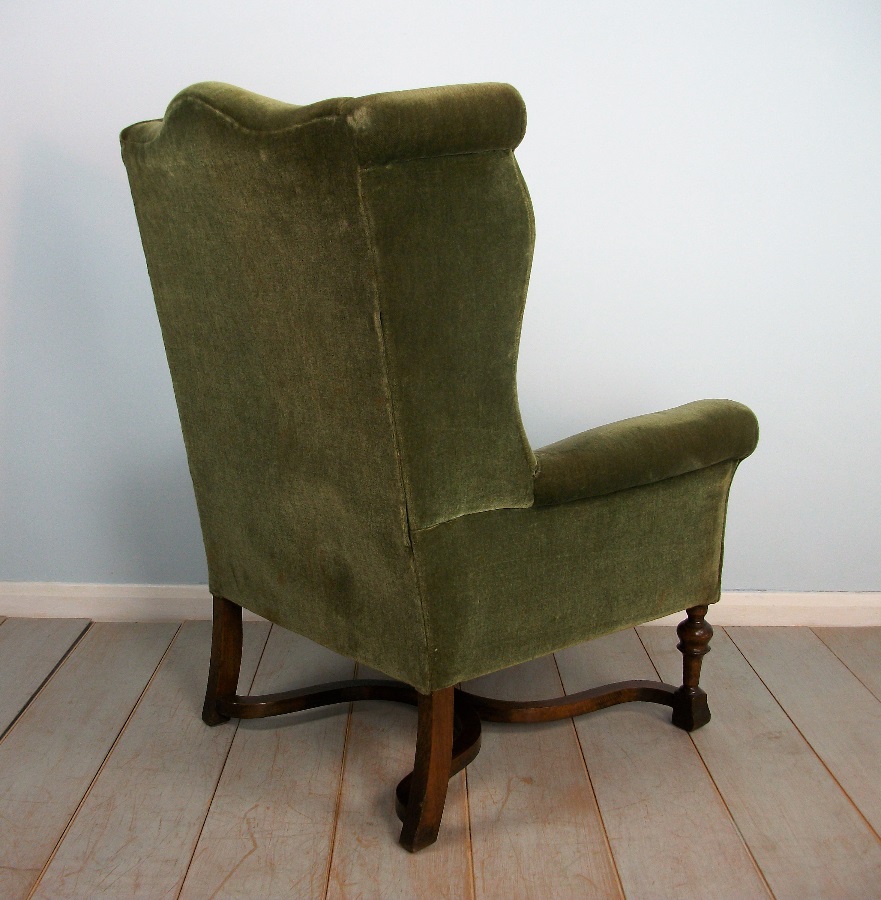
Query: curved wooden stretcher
(448, 731)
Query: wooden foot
(431, 772)
(690, 708)
(226, 659)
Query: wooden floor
(110, 785)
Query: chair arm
(644, 450)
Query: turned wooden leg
(226, 658)
(431, 771)
(690, 709)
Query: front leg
(690, 708)
(431, 773)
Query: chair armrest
(644, 450)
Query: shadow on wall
(94, 484)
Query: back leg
(226, 658)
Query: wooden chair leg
(690, 708)
(226, 658)
(431, 771)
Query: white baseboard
(107, 602)
(171, 602)
(814, 608)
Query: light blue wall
(707, 188)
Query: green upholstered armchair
(340, 288)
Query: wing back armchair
(340, 288)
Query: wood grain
(29, 651)
(859, 649)
(367, 859)
(135, 833)
(271, 824)
(670, 833)
(804, 833)
(426, 792)
(839, 717)
(535, 827)
(50, 756)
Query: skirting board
(169, 602)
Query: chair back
(340, 289)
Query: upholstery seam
(474, 512)
(632, 487)
(338, 114)
(406, 159)
(387, 377)
(404, 510)
(226, 117)
(528, 452)
(420, 592)
(734, 468)
(639, 484)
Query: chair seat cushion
(643, 450)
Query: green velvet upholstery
(340, 288)
(644, 450)
(552, 576)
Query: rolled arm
(644, 450)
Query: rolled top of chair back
(438, 121)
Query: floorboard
(110, 784)
(271, 824)
(30, 649)
(135, 833)
(535, 828)
(50, 756)
(804, 833)
(670, 832)
(859, 649)
(367, 859)
(838, 716)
